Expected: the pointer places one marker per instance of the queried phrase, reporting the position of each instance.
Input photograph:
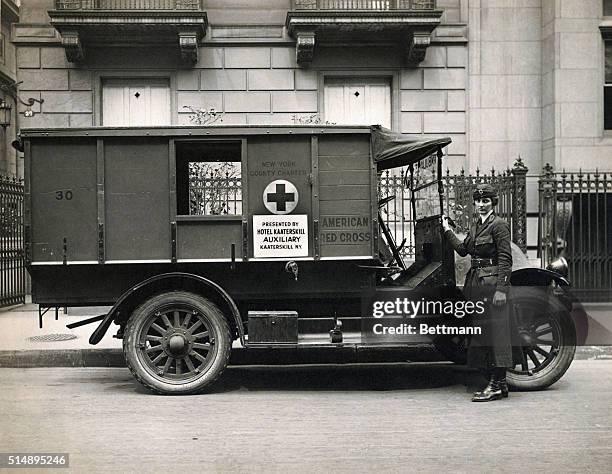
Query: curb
(239, 356)
(62, 358)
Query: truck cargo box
(115, 205)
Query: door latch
(292, 267)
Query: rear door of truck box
(99, 200)
(61, 197)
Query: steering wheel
(385, 200)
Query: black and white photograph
(306, 236)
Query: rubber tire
(218, 327)
(567, 347)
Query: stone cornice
(80, 28)
(10, 11)
(412, 28)
(380, 20)
(350, 13)
(152, 18)
(606, 29)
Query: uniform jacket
(489, 239)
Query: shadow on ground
(353, 377)
(346, 377)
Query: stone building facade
(9, 161)
(503, 78)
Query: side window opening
(209, 179)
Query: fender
(534, 276)
(145, 286)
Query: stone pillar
(505, 82)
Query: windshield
(425, 187)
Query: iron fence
(575, 221)
(458, 203)
(364, 5)
(215, 189)
(397, 213)
(12, 264)
(128, 5)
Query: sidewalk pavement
(24, 344)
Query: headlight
(559, 266)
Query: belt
(483, 262)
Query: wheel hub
(177, 342)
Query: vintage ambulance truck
(272, 236)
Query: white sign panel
(280, 236)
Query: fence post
(519, 204)
(547, 234)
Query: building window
(607, 7)
(358, 100)
(608, 88)
(209, 179)
(136, 102)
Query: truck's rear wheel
(177, 343)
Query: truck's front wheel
(177, 343)
(546, 340)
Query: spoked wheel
(544, 340)
(545, 343)
(541, 344)
(177, 343)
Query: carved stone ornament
(417, 47)
(73, 47)
(188, 43)
(304, 48)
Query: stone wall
(532, 85)
(10, 164)
(247, 70)
(65, 89)
(573, 52)
(433, 99)
(505, 84)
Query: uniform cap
(484, 191)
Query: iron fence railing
(12, 264)
(364, 4)
(397, 213)
(458, 203)
(128, 5)
(214, 191)
(575, 221)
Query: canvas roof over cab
(392, 149)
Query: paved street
(396, 417)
